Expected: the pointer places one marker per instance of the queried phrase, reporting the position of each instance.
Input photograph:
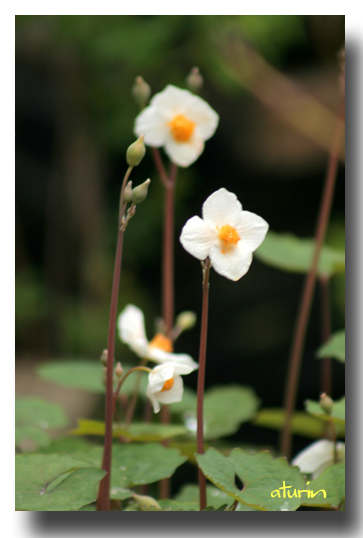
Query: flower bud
(119, 370)
(139, 193)
(326, 403)
(186, 320)
(194, 80)
(141, 92)
(136, 152)
(146, 503)
(104, 356)
(128, 192)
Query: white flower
(165, 384)
(179, 121)
(227, 234)
(131, 327)
(318, 456)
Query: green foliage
(260, 474)
(332, 480)
(335, 347)
(33, 417)
(338, 412)
(135, 432)
(225, 409)
(54, 482)
(293, 254)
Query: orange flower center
(169, 383)
(161, 342)
(181, 128)
(229, 237)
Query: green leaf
(225, 409)
(39, 413)
(77, 374)
(135, 432)
(263, 478)
(24, 434)
(332, 481)
(54, 482)
(134, 465)
(335, 347)
(302, 423)
(66, 445)
(290, 253)
(338, 412)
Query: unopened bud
(146, 503)
(128, 192)
(186, 320)
(104, 356)
(326, 403)
(136, 152)
(119, 370)
(139, 193)
(194, 80)
(141, 92)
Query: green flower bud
(139, 193)
(119, 370)
(128, 192)
(146, 503)
(136, 152)
(104, 356)
(141, 92)
(194, 80)
(186, 320)
(326, 403)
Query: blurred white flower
(179, 121)
(131, 325)
(318, 456)
(226, 233)
(165, 384)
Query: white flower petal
(172, 101)
(175, 394)
(160, 356)
(184, 153)
(221, 208)
(131, 327)
(314, 456)
(252, 230)
(232, 264)
(205, 118)
(153, 125)
(197, 238)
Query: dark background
(74, 122)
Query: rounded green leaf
(335, 347)
(31, 411)
(290, 253)
(77, 374)
(332, 482)
(338, 412)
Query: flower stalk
(201, 381)
(309, 286)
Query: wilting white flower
(179, 121)
(165, 383)
(318, 456)
(131, 325)
(226, 233)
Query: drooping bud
(128, 192)
(103, 357)
(186, 320)
(326, 403)
(141, 92)
(136, 152)
(119, 370)
(146, 503)
(194, 80)
(139, 193)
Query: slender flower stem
(201, 382)
(326, 368)
(308, 290)
(103, 501)
(131, 407)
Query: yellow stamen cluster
(161, 342)
(229, 238)
(169, 383)
(181, 128)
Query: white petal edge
(197, 238)
(221, 208)
(131, 326)
(234, 264)
(183, 153)
(252, 230)
(315, 455)
(153, 126)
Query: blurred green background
(274, 81)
